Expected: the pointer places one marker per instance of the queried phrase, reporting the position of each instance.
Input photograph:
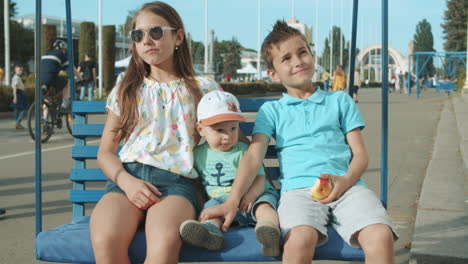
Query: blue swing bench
(447, 87)
(71, 242)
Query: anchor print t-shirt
(218, 169)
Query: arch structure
(369, 61)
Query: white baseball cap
(218, 106)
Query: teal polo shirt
(310, 135)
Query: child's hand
(227, 210)
(340, 185)
(142, 194)
(247, 202)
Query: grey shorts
(168, 183)
(270, 196)
(355, 209)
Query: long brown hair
(138, 69)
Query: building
(303, 28)
(369, 60)
(248, 70)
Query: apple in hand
(321, 189)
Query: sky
(238, 19)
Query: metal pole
(37, 142)
(408, 76)
(341, 33)
(353, 48)
(292, 9)
(361, 37)
(100, 47)
(6, 18)
(259, 65)
(206, 36)
(416, 64)
(331, 38)
(316, 38)
(465, 87)
(71, 63)
(384, 53)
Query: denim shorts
(270, 196)
(168, 183)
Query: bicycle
(51, 116)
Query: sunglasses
(156, 33)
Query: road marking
(43, 150)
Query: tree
(108, 67)
(337, 34)
(455, 25)
(87, 40)
(424, 41)
(21, 39)
(48, 37)
(229, 53)
(197, 49)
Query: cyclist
(52, 62)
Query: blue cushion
(71, 243)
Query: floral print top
(164, 134)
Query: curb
(441, 227)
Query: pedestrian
(392, 83)
(434, 80)
(1, 75)
(400, 80)
(326, 80)
(20, 102)
(216, 162)
(334, 151)
(339, 79)
(397, 82)
(87, 69)
(151, 181)
(357, 84)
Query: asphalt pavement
(427, 138)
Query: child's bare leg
(377, 242)
(299, 245)
(264, 212)
(267, 229)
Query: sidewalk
(441, 228)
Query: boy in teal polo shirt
(318, 135)
(216, 162)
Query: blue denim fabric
(270, 196)
(22, 105)
(87, 86)
(168, 183)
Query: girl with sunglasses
(152, 114)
